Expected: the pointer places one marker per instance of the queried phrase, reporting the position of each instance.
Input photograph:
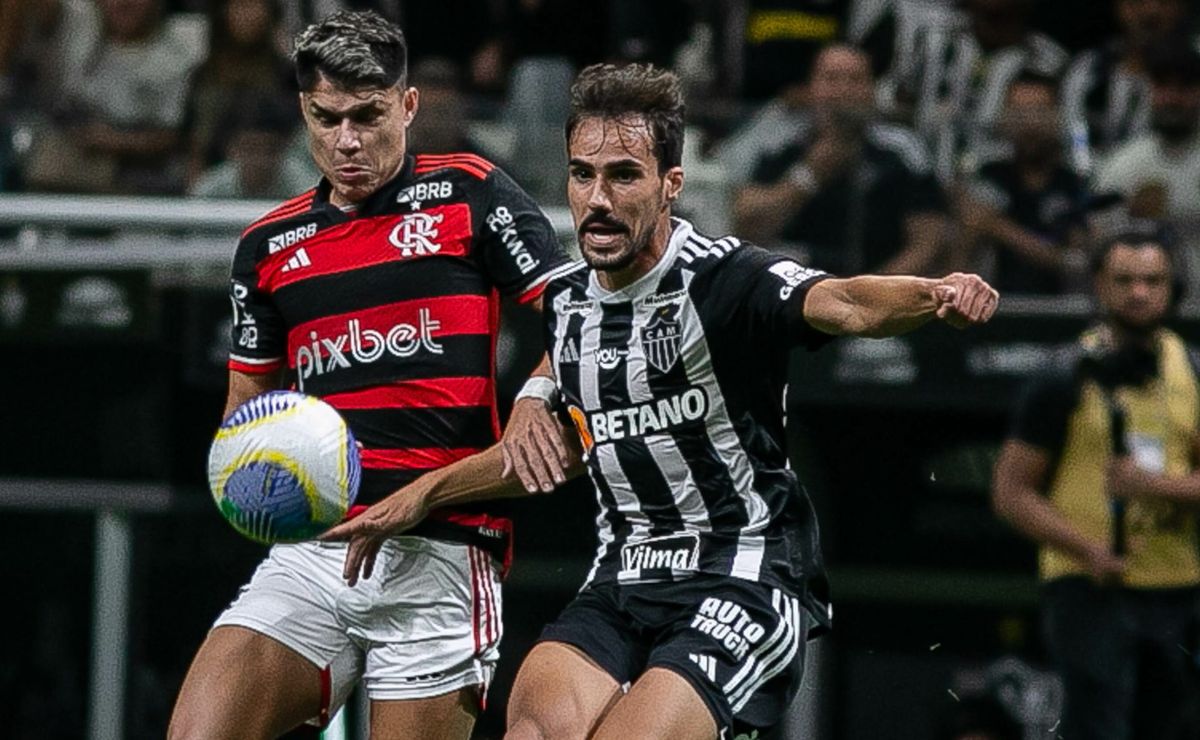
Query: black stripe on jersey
(653, 492)
(465, 426)
(462, 354)
(376, 285)
(379, 483)
(725, 507)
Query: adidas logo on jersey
(707, 663)
(569, 354)
(297, 260)
(289, 238)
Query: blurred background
(138, 137)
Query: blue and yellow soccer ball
(284, 467)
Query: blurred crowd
(861, 135)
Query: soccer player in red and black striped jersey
(377, 291)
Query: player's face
(1134, 286)
(357, 137)
(617, 196)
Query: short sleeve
(517, 245)
(1043, 412)
(258, 336)
(769, 291)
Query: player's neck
(643, 263)
(336, 199)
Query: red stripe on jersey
(403, 324)
(255, 368)
(425, 160)
(412, 394)
(289, 208)
(442, 231)
(467, 167)
(416, 458)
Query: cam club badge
(660, 337)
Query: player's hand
(1104, 567)
(965, 300)
(533, 447)
(1125, 480)
(367, 532)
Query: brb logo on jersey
(279, 242)
(415, 234)
(358, 345)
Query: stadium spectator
(257, 162)
(1027, 208)
(955, 81)
(1158, 173)
(1099, 471)
(245, 63)
(124, 73)
(1105, 92)
(854, 194)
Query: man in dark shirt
(1029, 206)
(850, 194)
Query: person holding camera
(849, 194)
(1099, 469)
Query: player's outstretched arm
(476, 478)
(884, 306)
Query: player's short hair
(618, 91)
(354, 50)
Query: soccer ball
(283, 467)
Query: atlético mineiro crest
(660, 337)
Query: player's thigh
(244, 685)
(559, 693)
(447, 717)
(661, 705)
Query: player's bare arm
(1022, 473)
(244, 386)
(486, 475)
(884, 306)
(532, 444)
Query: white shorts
(427, 621)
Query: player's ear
(411, 101)
(672, 184)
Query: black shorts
(739, 643)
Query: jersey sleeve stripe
(537, 286)
(419, 458)
(425, 393)
(254, 366)
(428, 159)
(467, 167)
(286, 210)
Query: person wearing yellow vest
(1100, 470)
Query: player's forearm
(479, 477)
(1033, 516)
(875, 305)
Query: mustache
(601, 219)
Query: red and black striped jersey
(389, 312)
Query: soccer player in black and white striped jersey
(669, 357)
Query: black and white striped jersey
(676, 386)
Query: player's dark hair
(630, 90)
(355, 50)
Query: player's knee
(547, 721)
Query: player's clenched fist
(965, 299)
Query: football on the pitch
(283, 467)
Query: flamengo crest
(415, 234)
(660, 337)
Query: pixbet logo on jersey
(358, 345)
